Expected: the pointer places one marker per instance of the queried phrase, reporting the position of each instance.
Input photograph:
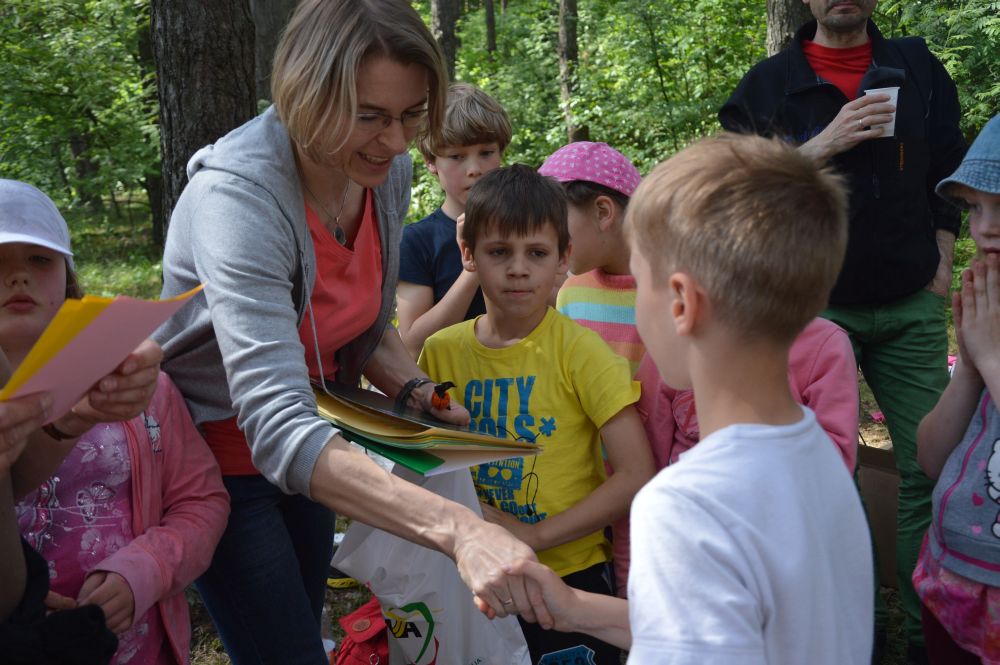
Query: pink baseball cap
(593, 162)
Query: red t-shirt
(843, 67)
(345, 300)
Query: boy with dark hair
(753, 548)
(525, 371)
(434, 291)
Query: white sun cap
(28, 215)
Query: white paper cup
(890, 127)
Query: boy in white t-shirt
(753, 548)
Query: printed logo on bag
(578, 655)
(413, 623)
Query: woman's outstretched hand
(483, 552)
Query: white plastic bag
(428, 609)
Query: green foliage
(74, 120)
(965, 36)
(77, 118)
(650, 77)
(114, 252)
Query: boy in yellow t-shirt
(525, 371)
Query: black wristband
(57, 433)
(404, 394)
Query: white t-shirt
(753, 548)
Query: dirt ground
(206, 648)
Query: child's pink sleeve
(655, 408)
(655, 411)
(193, 508)
(823, 375)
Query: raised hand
(858, 120)
(977, 321)
(459, 224)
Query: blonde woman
(293, 223)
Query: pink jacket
(822, 374)
(179, 510)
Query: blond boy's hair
(759, 225)
(471, 117)
(314, 80)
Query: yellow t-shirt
(558, 386)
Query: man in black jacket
(891, 293)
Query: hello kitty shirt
(958, 573)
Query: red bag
(366, 641)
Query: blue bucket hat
(980, 169)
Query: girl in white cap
(133, 514)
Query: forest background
(103, 101)
(80, 107)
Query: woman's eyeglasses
(376, 121)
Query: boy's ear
(563, 267)
(607, 212)
(431, 165)
(687, 302)
(468, 262)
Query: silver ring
(509, 601)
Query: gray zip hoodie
(240, 229)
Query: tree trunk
(784, 18)
(270, 18)
(85, 169)
(152, 181)
(444, 19)
(568, 59)
(205, 76)
(491, 28)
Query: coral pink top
(345, 301)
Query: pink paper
(97, 350)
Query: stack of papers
(84, 342)
(412, 438)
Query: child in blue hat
(958, 573)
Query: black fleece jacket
(892, 251)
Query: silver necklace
(338, 231)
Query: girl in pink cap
(600, 291)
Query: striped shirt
(605, 303)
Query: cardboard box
(879, 482)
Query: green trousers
(902, 349)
